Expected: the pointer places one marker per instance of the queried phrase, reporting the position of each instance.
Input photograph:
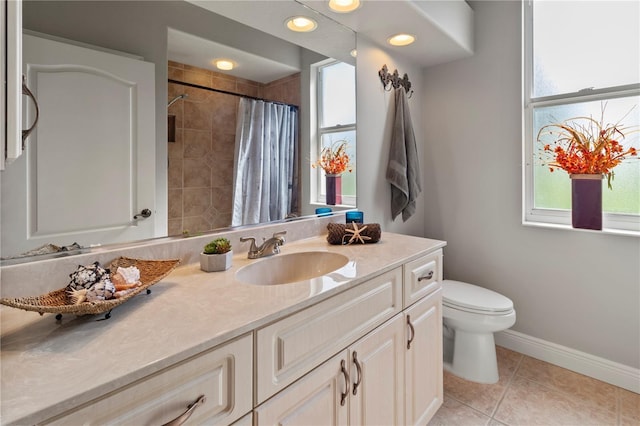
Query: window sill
(556, 226)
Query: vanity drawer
(223, 375)
(422, 276)
(289, 348)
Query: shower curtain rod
(197, 86)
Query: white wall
(374, 117)
(573, 288)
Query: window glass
(553, 189)
(584, 44)
(338, 88)
(571, 46)
(348, 178)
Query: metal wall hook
(393, 80)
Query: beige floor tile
(583, 389)
(529, 403)
(482, 397)
(629, 407)
(454, 413)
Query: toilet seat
(471, 298)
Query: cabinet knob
(182, 418)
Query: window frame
(317, 132)
(617, 223)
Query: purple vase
(334, 189)
(586, 201)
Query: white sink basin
(290, 268)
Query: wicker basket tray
(57, 302)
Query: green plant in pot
(216, 255)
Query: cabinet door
(222, 375)
(423, 359)
(319, 398)
(377, 376)
(11, 72)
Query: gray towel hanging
(403, 169)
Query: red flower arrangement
(334, 159)
(584, 145)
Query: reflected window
(336, 123)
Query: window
(336, 121)
(581, 57)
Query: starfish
(356, 234)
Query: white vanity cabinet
(391, 375)
(290, 348)
(222, 376)
(423, 355)
(362, 385)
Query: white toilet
(471, 315)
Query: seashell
(77, 296)
(130, 274)
(102, 290)
(86, 276)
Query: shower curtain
(265, 184)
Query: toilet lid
(468, 297)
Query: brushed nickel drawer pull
(359, 371)
(182, 418)
(347, 381)
(426, 277)
(412, 332)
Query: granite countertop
(49, 367)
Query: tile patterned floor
(532, 392)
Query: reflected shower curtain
(265, 185)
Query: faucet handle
(280, 235)
(253, 242)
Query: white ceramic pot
(215, 262)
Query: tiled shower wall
(201, 158)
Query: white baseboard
(599, 368)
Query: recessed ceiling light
(301, 24)
(224, 64)
(354, 53)
(344, 6)
(401, 39)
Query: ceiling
(443, 29)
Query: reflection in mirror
(144, 32)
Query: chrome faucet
(269, 246)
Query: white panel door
(319, 398)
(423, 359)
(377, 376)
(89, 166)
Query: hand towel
(403, 169)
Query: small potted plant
(216, 256)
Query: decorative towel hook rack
(394, 81)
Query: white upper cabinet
(11, 73)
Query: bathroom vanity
(360, 345)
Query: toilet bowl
(471, 315)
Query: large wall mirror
(194, 112)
